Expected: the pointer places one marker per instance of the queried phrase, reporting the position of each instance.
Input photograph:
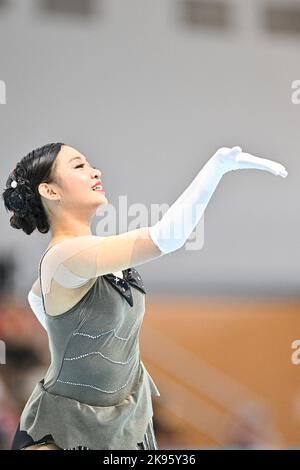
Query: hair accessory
(14, 184)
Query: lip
(99, 183)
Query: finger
(283, 173)
(278, 170)
(236, 150)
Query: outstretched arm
(81, 258)
(172, 231)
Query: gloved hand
(234, 159)
(175, 226)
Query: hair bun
(17, 203)
(21, 195)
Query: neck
(69, 227)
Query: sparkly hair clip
(14, 184)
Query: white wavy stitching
(106, 332)
(98, 352)
(94, 387)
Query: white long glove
(175, 226)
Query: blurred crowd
(26, 360)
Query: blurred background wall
(148, 90)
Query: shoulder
(70, 246)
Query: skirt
(22, 439)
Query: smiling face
(73, 181)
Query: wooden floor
(224, 370)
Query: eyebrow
(75, 158)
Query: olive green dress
(96, 392)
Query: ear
(48, 192)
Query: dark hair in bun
(21, 195)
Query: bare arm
(81, 258)
(102, 255)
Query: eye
(80, 166)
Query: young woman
(96, 393)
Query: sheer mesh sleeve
(74, 261)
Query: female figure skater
(96, 393)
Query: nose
(96, 173)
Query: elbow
(164, 242)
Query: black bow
(131, 276)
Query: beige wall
(149, 101)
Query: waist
(98, 386)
